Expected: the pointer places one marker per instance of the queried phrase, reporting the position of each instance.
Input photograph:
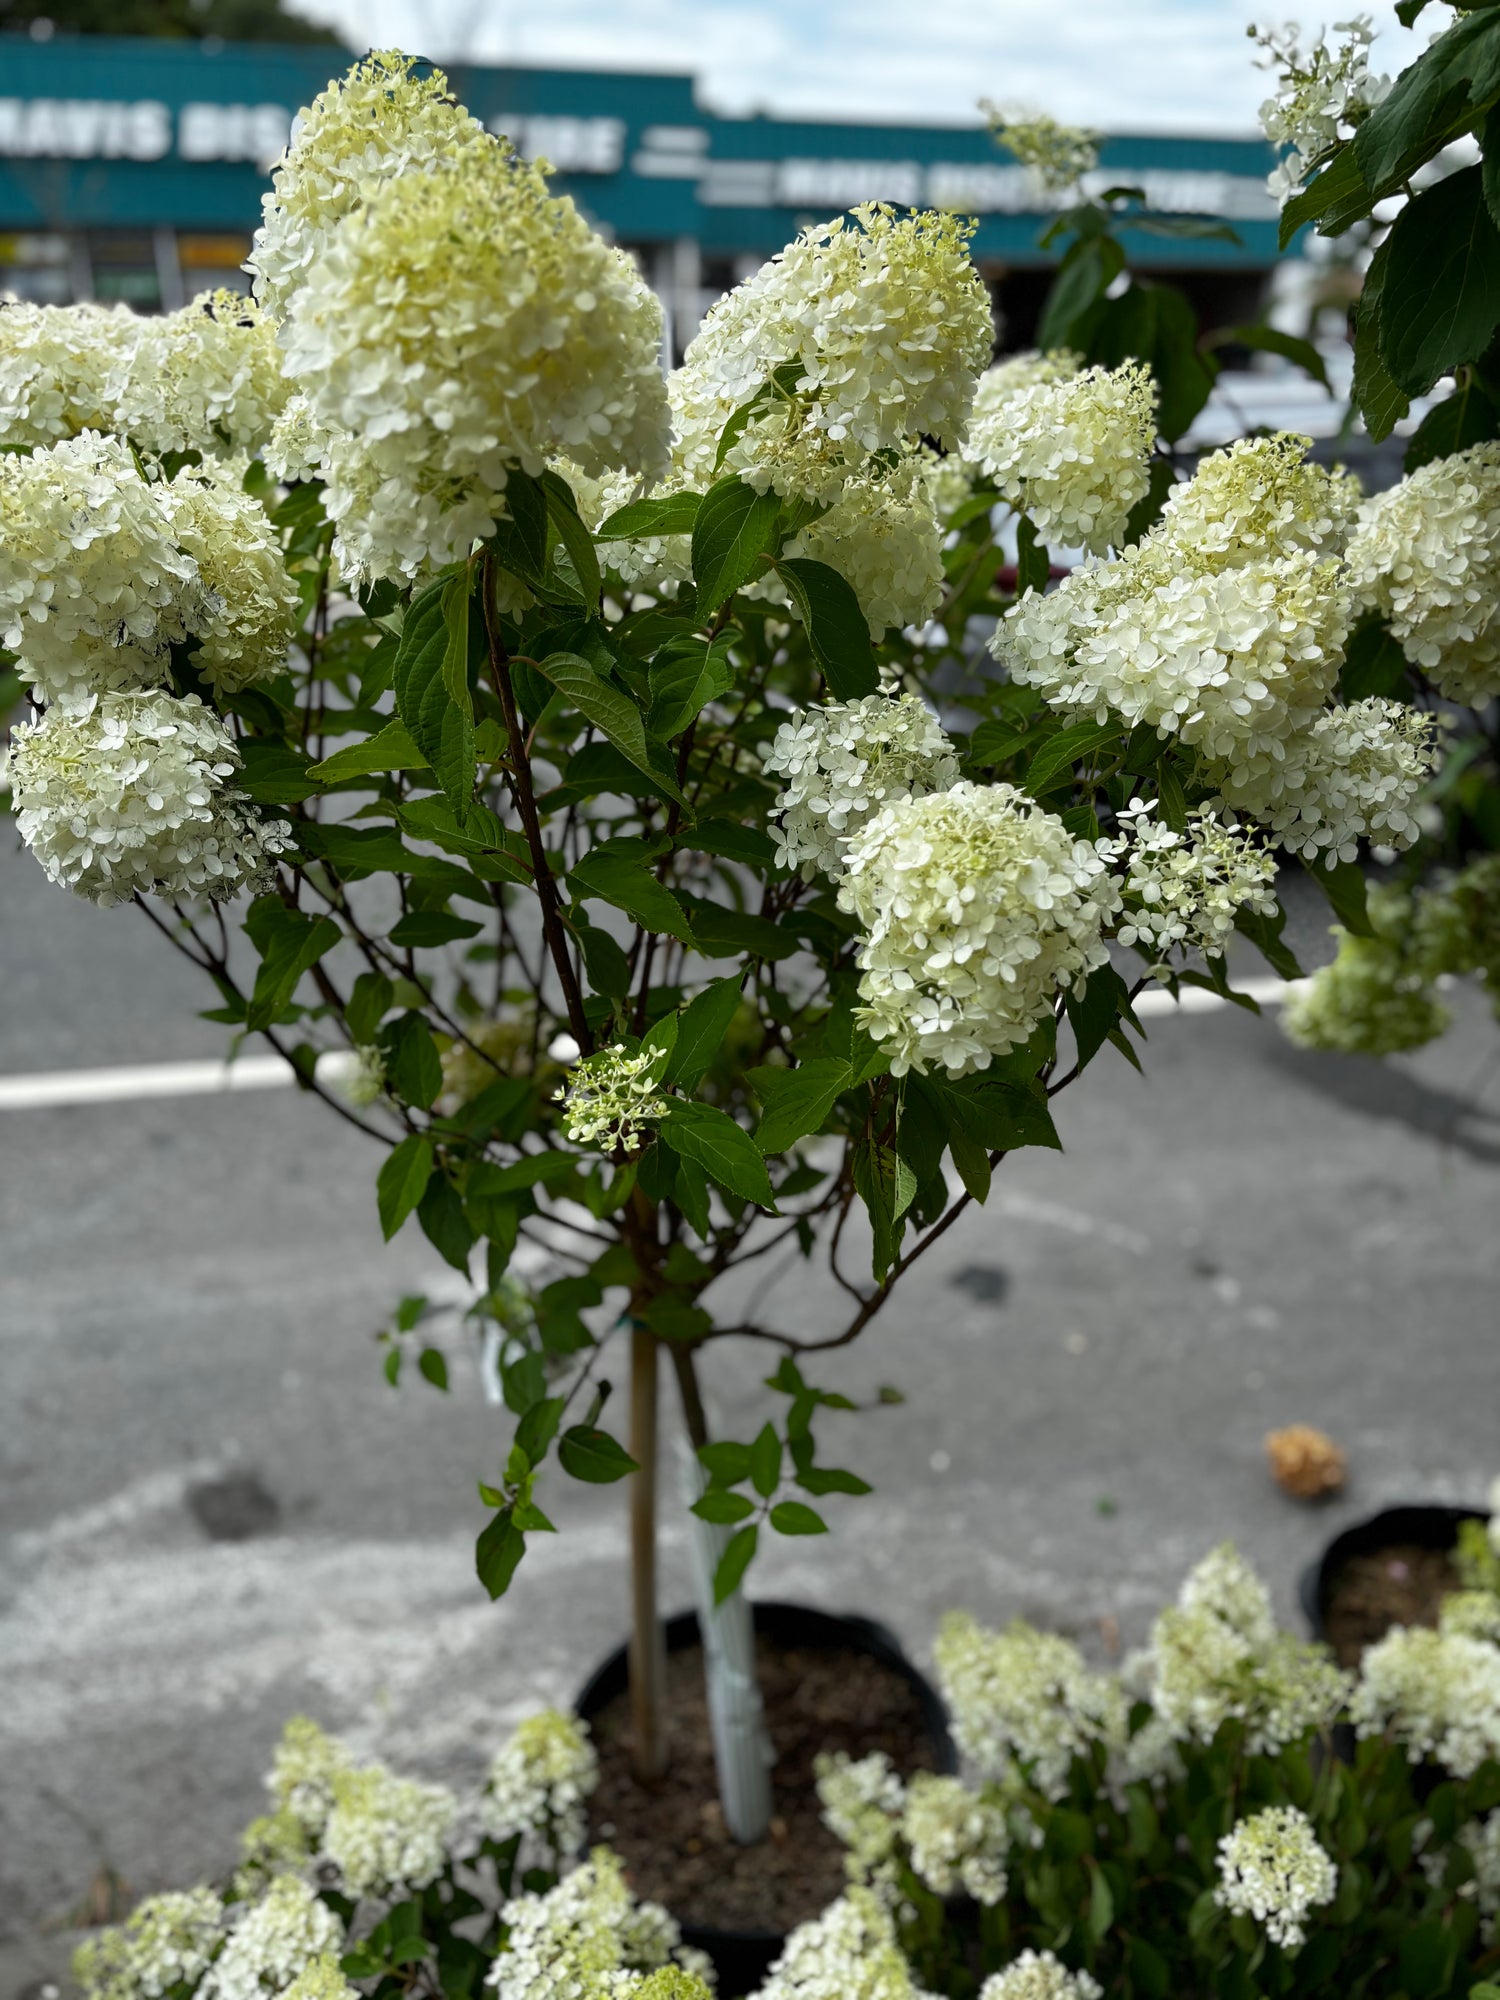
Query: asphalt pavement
(216, 1513)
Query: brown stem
(648, 1664)
(520, 778)
(692, 1400)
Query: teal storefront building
(133, 169)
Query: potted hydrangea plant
(574, 732)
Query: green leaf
(367, 1006)
(587, 1453)
(535, 1170)
(1271, 340)
(1076, 744)
(274, 775)
(720, 932)
(837, 629)
(1337, 197)
(731, 534)
(641, 520)
(628, 884)
(1265, 934)
(389, 749)
(402, 1181)
(796, 1101)
(791, 1517)
(735, 1560)
(972, 1162)
(1101, 1907)
(290, 944)
(1440, 302)
(701, 1030)
(1375, 395)
(1094, 1012)
(821, 1479)
(765, 1461)
(1373, 663)
(521, 541)
(683, 678)
(441, 728)
(1033, 566)
(444, 1224)
(605, 963)
(456, 594)
(722, 1148)
(996, 1113)
(1468, 416)
(434, 1367)
(614, 714)
(725, 1461)
(425, 929)
(412, 1062)
(1085, 274)
(723, 1509)
(1432, 101)
(498, 1553)
(1344, 887)
(578, 543)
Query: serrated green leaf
(701, 1029)
(1440, 302)
(402, 1181)
(640, 520)
(628, 884)
(735, 1560)
(796, 1101)
(723, 1509)
(837, 629)
(732, 533)
(389, 749)
(724, 1150)
(290, 943)
(441, 728)
(587, 1453)
(1076, 744)
(614, 714)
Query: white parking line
(270, 1072)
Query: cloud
(1120, 65)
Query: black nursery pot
(1424, 1527)
(742, 1958)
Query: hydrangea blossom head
(1058, 155)
(1426, 554)
(1370, 1000)
(1072, 453)
(1323, 94)
(167, 1941)
(207, 379)
(387, 1835)
(957, 1838)
(876, 327)
(1436, 1693)
(134, 795)
(612, 1095)
(1039, 1975)
(305, 1769)
(883, 536)
(1258, 498)
(61, 369)
(862, 1800)
(273, 1943)
(460, 325)
(851, 1951)
(1273, 1868)
(579, 1937)
(540, 1780)
(1024, 1703)
(978, 909)
(244, 611)
(1184, 891)
(846, 761)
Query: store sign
(93, 128)
(570, 145)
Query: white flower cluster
(1183, 891)
(246, 603)
(1272, 1868)
(958, 1840)
(1216, 1655)
(299, 446)
(273, 1943)
(383, 1834)
(206, 378)
(1203, 635)
(845, 762)
(1039, 1975)
(447, 320)
(1426, 553)
(579, 1938)
(540, 1779)
(862, 1800)
(166, 1941)
(883, 536)
(1024, 1702)
(1472, 1614)
(387, 1835)
(1436, 1692)
(611, 1095)
(1482, 1839)
(880, 326)
(102, 572)
(850, 1952)
(1322, 95)
(1071, 452)
(321, 1979)
(976, 907)
(1058, 155)
(93, 586)
(1355, 775)
(130, 795)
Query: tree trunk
(648, 1662)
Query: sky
(1118, 65)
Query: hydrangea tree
(574, 731)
